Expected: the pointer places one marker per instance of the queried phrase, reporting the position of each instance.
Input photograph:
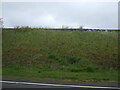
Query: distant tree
(65, 27)
(1, 23)
(17, 27)
(81, 27)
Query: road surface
(10, 83)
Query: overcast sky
(56, 14)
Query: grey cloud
(56, 14)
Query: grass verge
(65, 55)
(38, 74)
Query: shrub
(22, 28)
(58, 59)
(76, 69)
(61, 61)
(73, 60)
(90, 68)
(52, 56)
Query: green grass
(39, 74)
(75, 55)
(0, 72)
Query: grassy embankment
(60, 55)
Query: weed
(52, 56)
(76, 69)
(90, 68)
(73, 60)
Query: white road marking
(59, 85)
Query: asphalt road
(43, 84)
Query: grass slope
(71, 55)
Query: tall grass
(36, 47)
(67, 51)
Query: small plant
(39, 71)
(62, 61)
(76, 69)
(52, 56)
(90, 68)
(73, 60)
(58, 59)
